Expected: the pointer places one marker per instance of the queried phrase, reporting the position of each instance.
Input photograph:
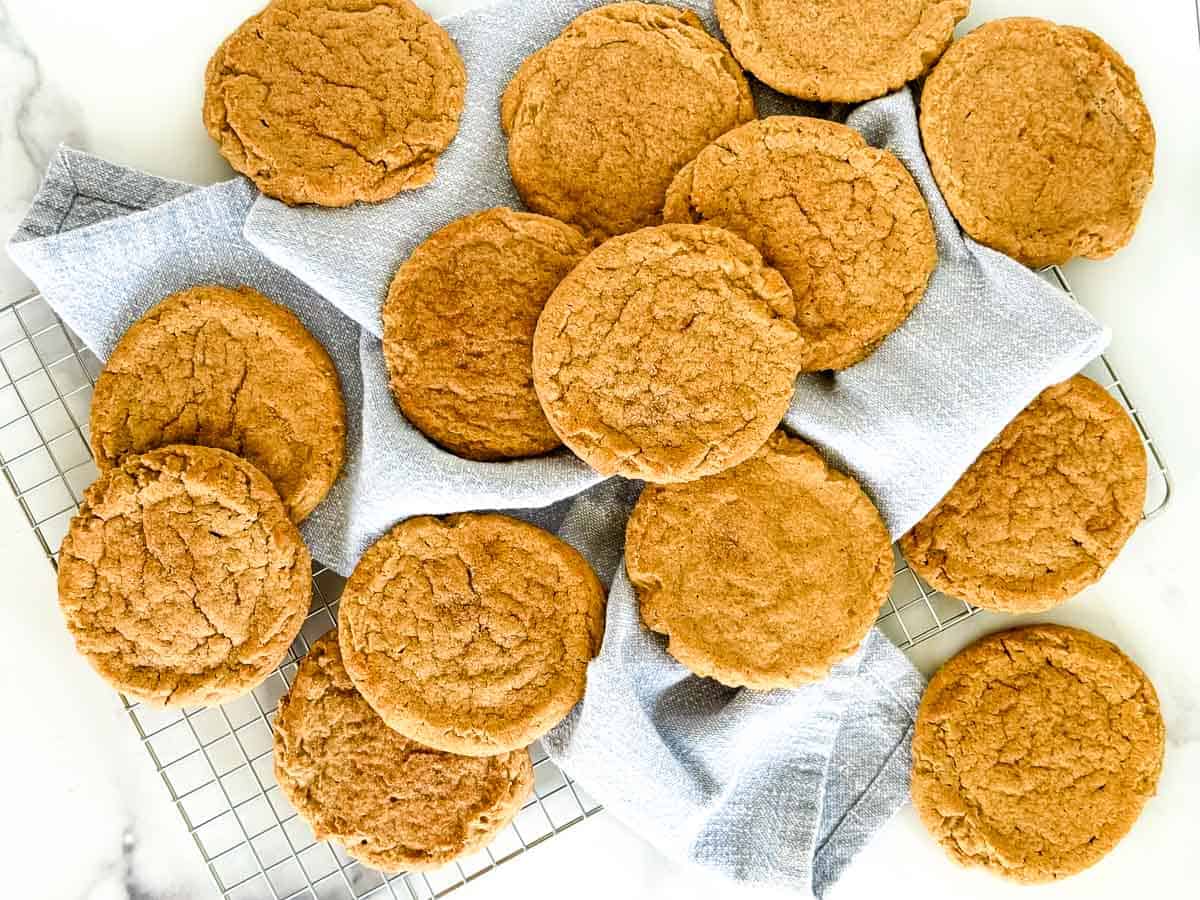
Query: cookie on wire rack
(225, 367)
(181, 579)
(1043, 511)
(391, 802)
(1035, 751)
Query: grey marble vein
(34, 118)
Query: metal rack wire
(216, 763)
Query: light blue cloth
(782, 787)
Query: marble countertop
(85, 815)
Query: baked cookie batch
(681, 263)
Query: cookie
(1040, 141)
(471, 634)
(668, 354)
(458, 331)
(1035, 750)
(762, 576)
(181, 578)
(225, 367)
(1043, 511)
(333, 101)
(842, 221)
(840, 51)
(601, 118)
(391, 802)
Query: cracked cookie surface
(667, 354)
(1040, 141)
(334, 101)
(472, 633)
(1043, 511)
(601, 118)
(1034, 752)
(391, 802)
(181, 578)
(458, 331)
(225, 367)
(762, 576)
(842, 221)
(840, 51)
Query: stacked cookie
(460, 641)
(681, 263)
(392, 802)
(183, 578)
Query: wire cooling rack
(217, 763)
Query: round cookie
(472, 633)
(1044, 510)
(668, 354)
(181, 578)
(762, 576)
(1034, 752)
(1040, 141)
(391, 802)
(840, 51)
(458, 331)
(601, 118)
(333, 101)
(225, 367)
(842, 221)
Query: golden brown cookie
(1044, 510)
(226, 367)
(333, 101)
(841, 51)
(842, 221)
(765, 575)
(1035, 751)
(668, 354)
(181, 578)
(391, 802)
(601, 118)
(1039, 139)
(458, 331)
(472, 633)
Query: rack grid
(216, 763)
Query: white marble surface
(84, 813)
